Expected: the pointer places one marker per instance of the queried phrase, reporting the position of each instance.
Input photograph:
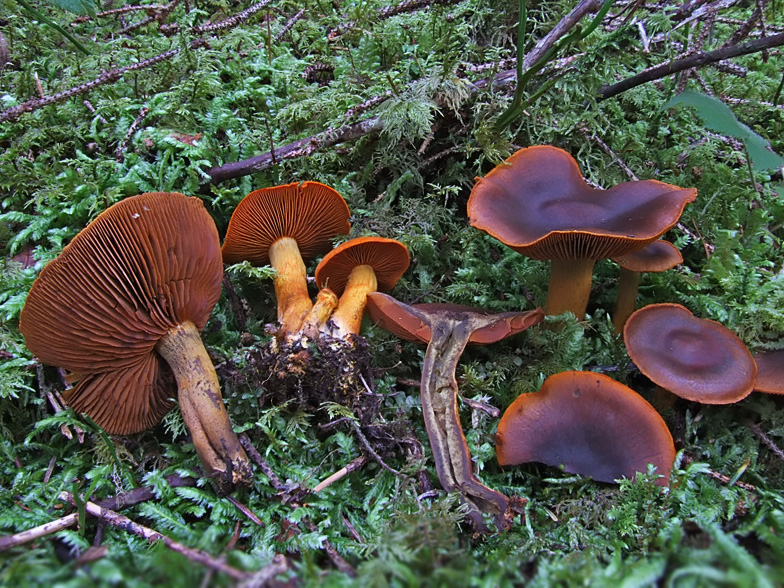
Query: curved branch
(695, 60)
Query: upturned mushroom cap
(99, 309)
(658, 256)
(770, 372)
(538, 203)
(413, 322)
(309, 212)
(388, 258)
(589, 424)
(696, 359)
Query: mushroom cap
(388, 258)
(659, 256)
(538, 203)
(143, 266)
(696, 359)
(590, 424)
(770, 371)
(310, 213)
(413, 322)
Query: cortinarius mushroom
(659, 256)
(353, 270)
(447, 328)
(538, 203)
(121, 309)
(589, 424)
(770, 371)
(696, 359)
(283, 226)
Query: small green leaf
(82, 7)
(718, 117)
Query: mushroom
(659, 256)
(353, 270)
(447, 328)
(538, 203)
(696, 359)
(316, 318)
(770, 371)
(283, 226)
(589, 424)
(121, 309)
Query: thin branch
(117, 520)
(254, 454)
(354, 464)
(119, 155)
(130, 498)
(695, 60)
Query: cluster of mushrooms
(121, 309)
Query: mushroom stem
(317, 317)
(627, 298)
(347, 318)
(570, 286)
(291, 284)
(202, 408)
(442, 421)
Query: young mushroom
(538, 204)
(283, 226)
(121, 309)
(590, 425)
(659, 256)
(447, 329)
(694, 358)
(353, 270)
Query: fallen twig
(694, 60)
(262, 463)
(757, 430)
(130, 498)
(117, 520)
(354, 464)
(119, 155)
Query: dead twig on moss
(354, 464)
(119, 155)
(130, 498)
(196, 555)
(694, 60)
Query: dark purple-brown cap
(589, 424)
(694, 358)
(538, 203)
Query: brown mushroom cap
(658, 256)
(388, 258)
(99, 309)
(770, 371)
(413, 322)
(696, 359)
(310, 213)
(589, 424)
(538, 203)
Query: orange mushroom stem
(570, 286)
(317, 317)
(291, 283)
(351, 307)
(659, 256)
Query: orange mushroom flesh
(659, 256)
(770, 372)
(353, 270)
(694, 358)
(538, 204)
(129, 295)
(284, 226)
(447, 329)
(590, 425)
